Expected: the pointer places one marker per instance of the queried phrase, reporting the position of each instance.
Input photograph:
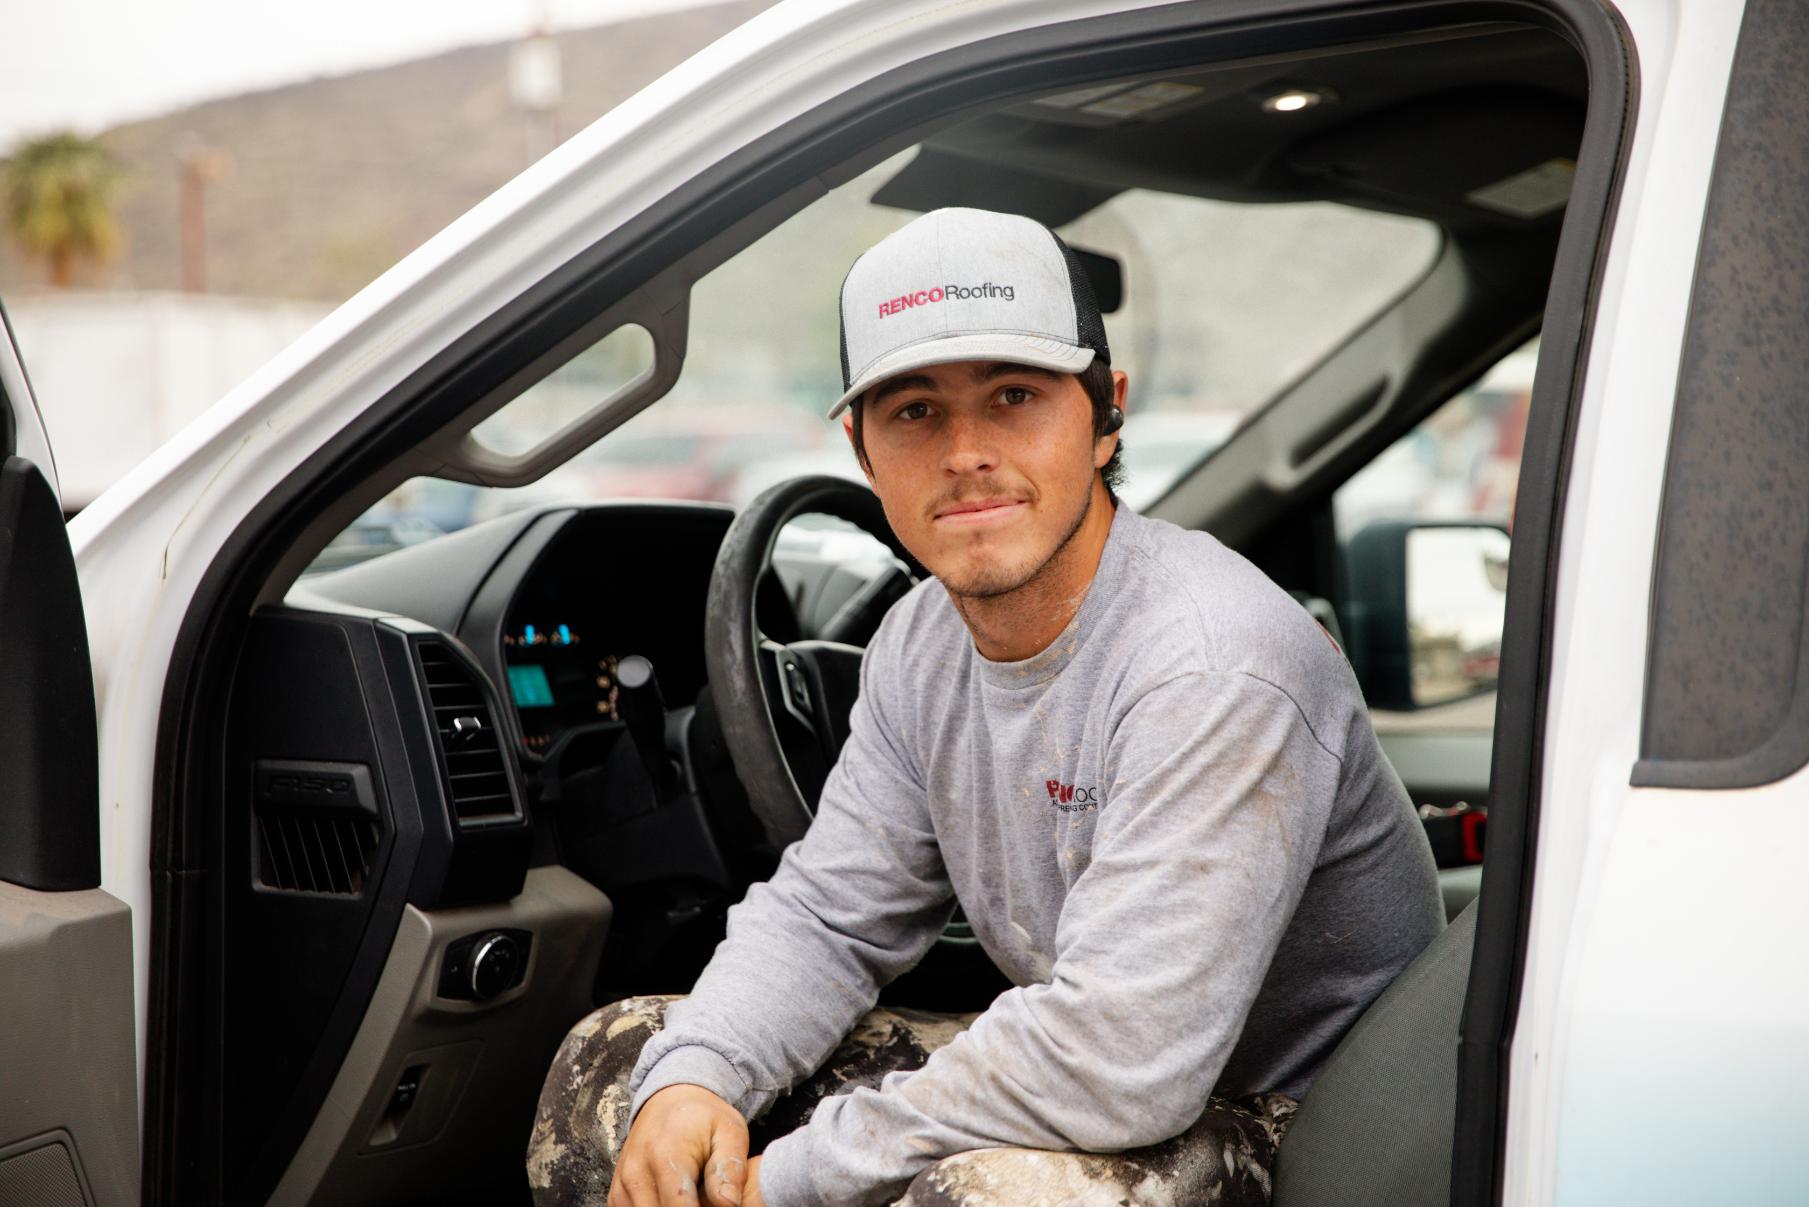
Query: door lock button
(407, 1089)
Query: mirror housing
(1424, 602)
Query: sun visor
(935, 179)
(1469, 157)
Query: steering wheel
(784, 707)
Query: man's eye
(914, 410)
(1015, 395)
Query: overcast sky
(89, 64)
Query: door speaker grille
(43, 1176)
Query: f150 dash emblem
(339, 787)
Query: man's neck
(1021, 624)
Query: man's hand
(684, 1136)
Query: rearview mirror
(1425, 604)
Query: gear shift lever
(640, 704)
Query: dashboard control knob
(495, 965)
(467, 729)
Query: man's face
(985, 469)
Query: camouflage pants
(1223, 1159)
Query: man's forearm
(778, 995)
(859, 899)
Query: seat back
(1375, 1129)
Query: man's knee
(583, 1114)
(1003, 1177)
(1224, 1158)
(998, 1177)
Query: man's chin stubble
(993, 582)
(990, 582)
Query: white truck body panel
(1604, 582)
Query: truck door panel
(68, 1116)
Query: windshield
(1224, 304)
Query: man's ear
(1106, 445)
(848, 431)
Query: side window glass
(1424, 533)
(570, 392)
(1211, 327)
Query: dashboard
(550, 601)
(606, 587)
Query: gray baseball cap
(963, 284)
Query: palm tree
(59, 201)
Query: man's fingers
(659, 1178)
(621, 1189)
(663, 1177)
(725, 1170)
(723, 1181)
(675, 1175)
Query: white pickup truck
(303, 875)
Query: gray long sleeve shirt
(1172, 829)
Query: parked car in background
(697, 453)
(756, 477)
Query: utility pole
(536, 84)
(197, 166)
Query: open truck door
(68, 1066)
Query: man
(1144, 771)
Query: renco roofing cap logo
(958, 293)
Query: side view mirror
(1424, 609)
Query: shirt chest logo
(1071, 799)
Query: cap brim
(1037, 351)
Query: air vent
(471, 758)
(305, 852)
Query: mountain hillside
(333, 180)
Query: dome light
(1293, 100)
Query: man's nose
(968, 446)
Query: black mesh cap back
(841, 322)
(1088, 320)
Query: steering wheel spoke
(788, 688)
(819, 681)
(797, 719)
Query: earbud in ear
(1113, 421)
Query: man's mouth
(981, 511)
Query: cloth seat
(1376, 1128)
